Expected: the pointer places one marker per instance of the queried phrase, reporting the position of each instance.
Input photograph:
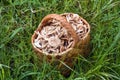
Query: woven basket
(68, 57)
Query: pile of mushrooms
(54, 38)
(77, 23)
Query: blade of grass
(117, 37)
(5, 41)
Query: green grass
(19, 19)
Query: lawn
(19, 19)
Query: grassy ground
(19, 19)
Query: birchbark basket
(80, 44)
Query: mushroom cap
(54, 41)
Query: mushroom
(37, 44)
(54, 41)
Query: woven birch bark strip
(62, 37)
